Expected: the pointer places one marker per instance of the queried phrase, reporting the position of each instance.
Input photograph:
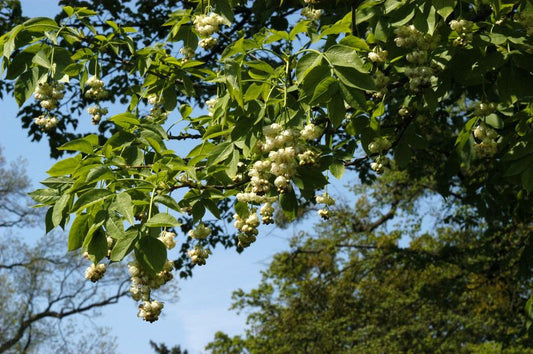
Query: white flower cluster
(206, 25)
(143, 282)
(381, 80)
(154, 99)
(46, 123)
(379, 165)
(308, 157)
(420, 74)
(311, 14)
(266, 212)
(377, 55)
(207, 43)
(323, 213)
(49, 94)
(150, 310)
(311, 132)
(464, 30)
(200, 232)
(168, 239)
(157, 110)
(198, 255)
(110, 244)
(187, 52)
(95, 272)
(97, 113)
(96, 91)
(410, 37)
(482, 109)
(487, 147)
(327, 201)
(379, 144)
(419, 77)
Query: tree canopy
(296, 93)
(353, 286)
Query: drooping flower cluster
(247, 227)
(168, 239)
(205, 26)
(96, 89)
(378, 55)
(200, 232)
(267, 212)
(311, 14)
(486, 144)
(95, 272)
(379, 144)
(97, 113)
(464, 30)
(327, 201)
(187, 52)
(207, 43)
(143, 282)
(49, 94)
(483, 109)
(198, 255)
(46, 123)
(420, 74)
(379, 164)
(150, 310)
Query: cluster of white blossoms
(46, 123)
(379, 164)
(95, 272)
(188, 54)
(378, 55)
(487, 145)
(483, 109)
(247, 227)
(379, 145)
(267, 213)
(168, 239)
(143, 282)
(97, 113)
(311, 14)
(49, 94)
(200, 232)
(96, 89)
(198, 255)
(464, 30)
(420, 74)
(285, 150)
(205, 26)
(327, 201)
(157, 110)
(150, 310)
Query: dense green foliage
(353, 286)
(436, 89)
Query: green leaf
(78, 231)
(336, 111)
(91, 197)
(78, 145)
(124, 245)
(313, 79)
(151, 254)
(527, 179)
(162, 220)
(444, 7)
(124, 206)
(125, 120)
(25, 85)
(353, 78)
(45, 196)
(59, 209)
(97, 248)
(306, 64)
(167, 201)
(40, 24)
(289, 204)
(343, 56)
(65, 167)
(337, 169)
(354, 97)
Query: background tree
(375, 278)
(432, 89)
(43, 294)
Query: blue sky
(203, 303)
